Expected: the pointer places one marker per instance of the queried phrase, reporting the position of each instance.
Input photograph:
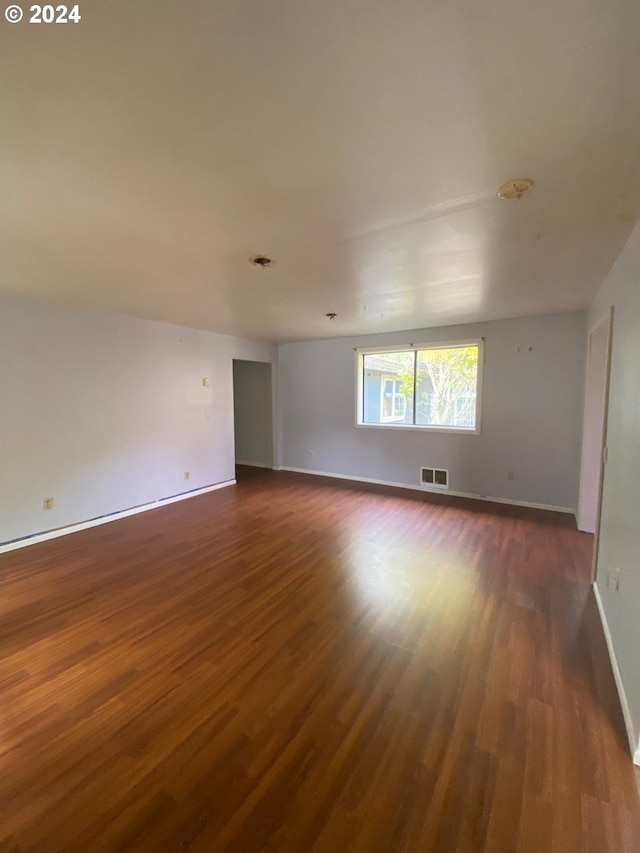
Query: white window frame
(359, 385)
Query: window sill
(420, 428)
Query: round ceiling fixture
(261, 261)
(515, 189)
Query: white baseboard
(434, 491)
(253, 464)
(626, 711)
(23, 542)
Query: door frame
(605, 320)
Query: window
(433, 386)
(393, 405)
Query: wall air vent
(437, 478)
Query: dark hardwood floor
(298, 665)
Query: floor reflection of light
(388, 577)
(383, 579)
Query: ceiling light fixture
(515, 189)
(261, 261)
(331, 315)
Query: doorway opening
(252, 415)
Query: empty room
(320, 427)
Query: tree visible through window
(426, 386)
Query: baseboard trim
(34, 538)
(253, 464)
(434, 491)
(634, 747)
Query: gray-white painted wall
(531, 413)
(253, 421)
(105, 412)
(620, 510)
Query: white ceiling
(149, 150)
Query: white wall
(252, 396)
(620, 519)
(531, 417)
(105, 412)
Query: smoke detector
(261, 261)
(515, 189)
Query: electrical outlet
(186, 475)
(509, 475)
(48, 503)
(312, 453)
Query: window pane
(446, 387)
(388, 388)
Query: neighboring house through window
(385, 397)
(393, 403)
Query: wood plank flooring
(294, 664)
